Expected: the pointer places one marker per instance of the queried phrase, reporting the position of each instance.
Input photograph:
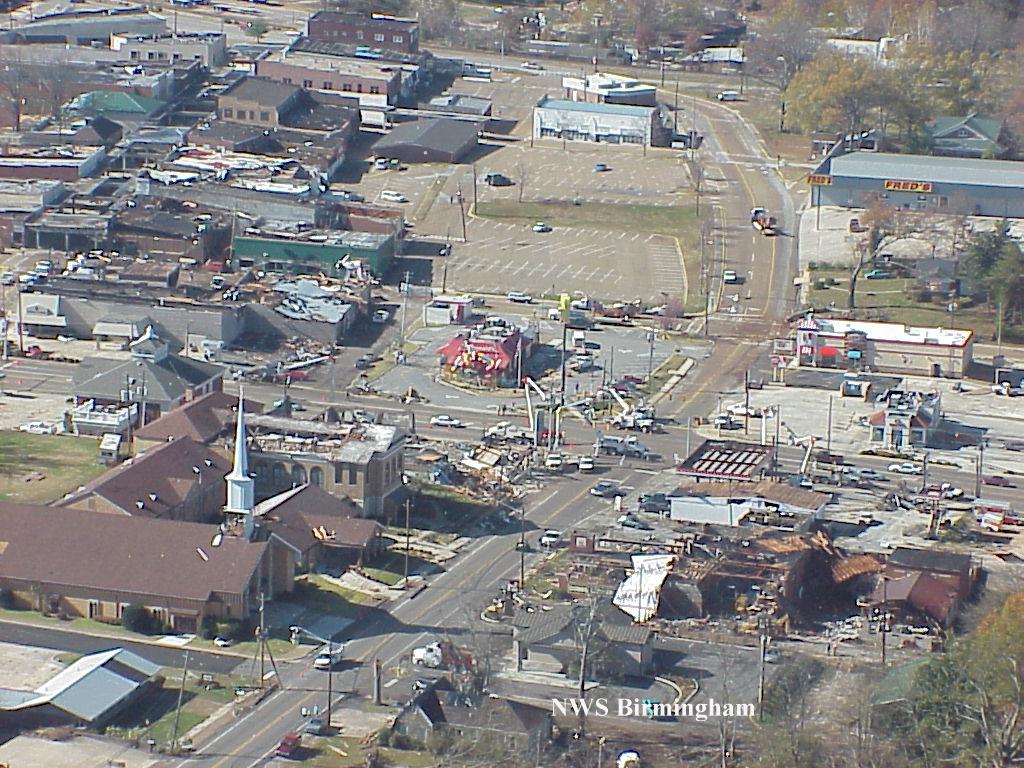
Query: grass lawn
(39, 468)
(543, 579)
(896, 300)
(660, 375)
(317, 594)
(678, 221)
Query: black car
(352, 197)
(497, 180)
(365, 361)
(657, 503)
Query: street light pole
(407, 534)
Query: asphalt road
(76, 642)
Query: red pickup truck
(289, 745)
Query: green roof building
(314, 253)
(970, 136)
(113, 103)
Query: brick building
(374, 31)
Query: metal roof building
(920, 182)
(90, 691)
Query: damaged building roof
(353, 443)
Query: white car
(223, 642)
(550, 538)
(586, 464)
(38, 428)
(740, 409)
(906, 468)
(730, 276)
(540, 226)
(393, 197)
(869, 474)
(518, 297)
(444, 420)
(381, 316)
(554, 461)
(532, 66)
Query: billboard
(819, 180)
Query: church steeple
(240, 486)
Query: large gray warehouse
(920, 182)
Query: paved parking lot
(23, 667)
(503, 256)
(599, 258)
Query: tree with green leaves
(1006, 283)
(966, 708)
(257, 29)
(983, 253)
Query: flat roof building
(442, 140)
(374, 30)
(956, 185)
(375, 84)
(601, 122)
(610, 89)
(889, 347)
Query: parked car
(657, 503)
(351, 197)
(289, 745)
(315, 727)
(365, 361)
(518, 297)
(223, 642)
(586, 464)
(540, 226)
(550, 538)
(444, 420)
(393, 197)
(532, 66)
(877, 274)
(381, 316)
(8, 278)
(38, 428)
(497, 180)
(631, 521)
(554, 461)
(605, 489)
(906, 468)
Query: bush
(6, 598)
(135, 618)
(209, 628)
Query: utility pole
(177, 710)
(650, 355)
(762, 657)
(405, 307)
(462, 213)
(330, 678)
(979, 468)
(473, 209)
(746, 402)
(883, 619)
(522, 548)
(407, 534)
(828, 439)
(924, 472)
(775, 449)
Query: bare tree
(586, 625)
(14, 82)
(523, 178)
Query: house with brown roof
(204, 420)
(71, 562)
(177, 480)
(320, 527)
